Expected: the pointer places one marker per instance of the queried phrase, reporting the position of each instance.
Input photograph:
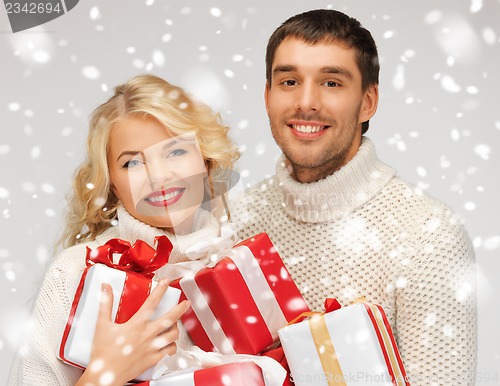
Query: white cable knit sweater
(365, 232)
(36, 362)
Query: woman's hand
(121, 352)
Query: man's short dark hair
(327, 25)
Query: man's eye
(289, 83)
(331, 83)
(176, 152)
(132, 163)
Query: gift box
(131, 282)
(241, 373)
(238, 305)
(278, 355)
(353, 345)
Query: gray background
(438, 121)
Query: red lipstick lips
(165, 197)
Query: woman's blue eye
(132, 163)
(176, 152)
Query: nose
(308, 98)
(159, 172)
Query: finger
(171, 349)
(162, 327)
(155, 297)
(172, 334)
(171, 317)
(165, 339)
(105, 303)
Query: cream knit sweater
(365, 232)
(36, 362)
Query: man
(345, 225)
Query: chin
(174, 221)
(157, 221)
(181, 224)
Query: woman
(152, 156)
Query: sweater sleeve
(36, 361)
(436, 306)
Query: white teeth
(165, 197)
(307, 129)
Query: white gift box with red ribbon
(241, 373)
(130, 290)
(353, 345)
(198, 367)
(238, 304)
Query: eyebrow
(284, 68)
(129, 152)
(135, 152)
(325, 70)
(336, 70)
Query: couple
(345, 225)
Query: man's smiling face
(316, 105)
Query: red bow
(332, 304)
(140, 257)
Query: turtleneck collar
(205, 227)
(343, 191)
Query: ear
(267, 90)
(369, 103)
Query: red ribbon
(331, 304)
(139, 257)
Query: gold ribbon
(361, 299)
(326, 351)
(303, 315)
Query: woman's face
(158, 177)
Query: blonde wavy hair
(92, 204)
